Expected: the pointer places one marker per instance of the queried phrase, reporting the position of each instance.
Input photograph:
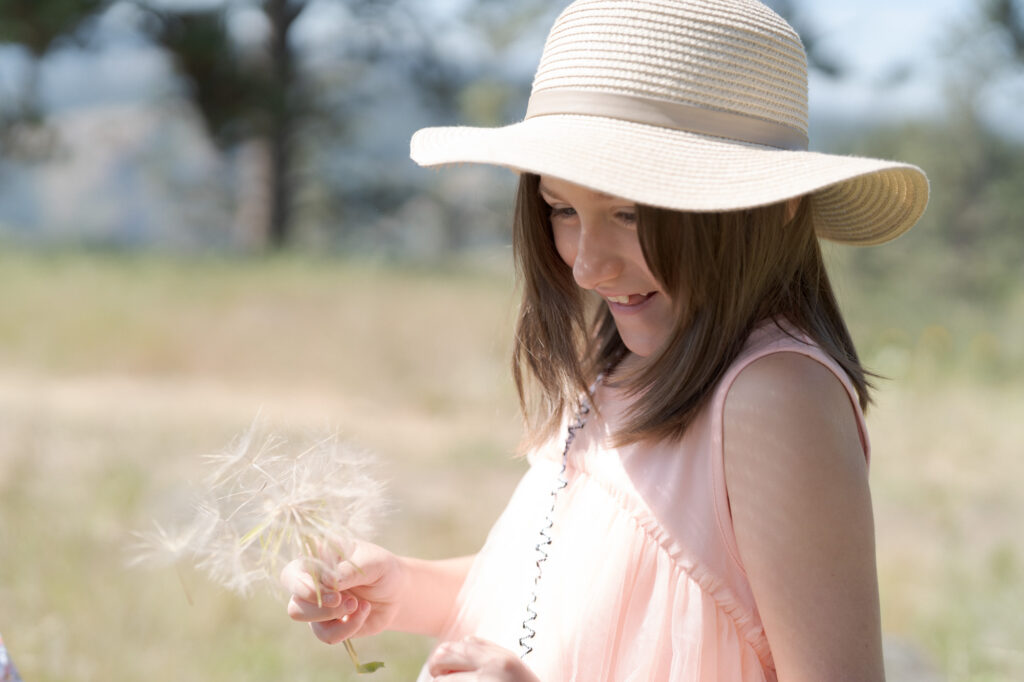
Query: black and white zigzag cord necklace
(576, 424)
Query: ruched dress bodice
(643, 580)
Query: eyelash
(624, 216)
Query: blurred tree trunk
(281, 134)
(250, 104)
(251, 228)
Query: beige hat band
(666, 114)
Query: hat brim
(858, 200)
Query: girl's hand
(477, 660)
(357, 597)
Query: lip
(627, 309)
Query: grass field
(117, 371)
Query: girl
(697, 505)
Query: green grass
(117, 371)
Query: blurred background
(207, 211)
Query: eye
(563, 212)
(628, 217)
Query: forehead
(564, 189)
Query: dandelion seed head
(160, 547)
(261, 507)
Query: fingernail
(331, 599)
(349, 605)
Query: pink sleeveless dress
(644, 580)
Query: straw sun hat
(693, 105)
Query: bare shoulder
(801, 511)
(796, 408)
(791, 375)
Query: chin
(643, 340)
(642, 349)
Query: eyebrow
(541, 189)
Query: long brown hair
(724, 272)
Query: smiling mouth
(631, 300)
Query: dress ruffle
(642, 581)
(617, 601)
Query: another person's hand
(477, 660)
(357, 598)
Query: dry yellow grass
(946, 478)
(116, 372)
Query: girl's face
(596, 236)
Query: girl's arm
(430, 593)
(801, 509)
(373, 592)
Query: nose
(598, 260)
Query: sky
(877, 36)
(871, 37)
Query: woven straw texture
(733, 60)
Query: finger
(338, 630)
(356, 571)
(309, 612)
(296, 578)
(315, 585)
(452, 657)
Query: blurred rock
(907, 662)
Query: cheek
(565, 244)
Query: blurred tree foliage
(38, 26)
(968, 245)
(1007, 16)
(228, 92)
(293, 104)
(329, 116)
(242, 95)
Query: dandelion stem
(373, 666)
(184, 585)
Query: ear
(792, 206)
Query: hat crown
(686, 105)
(735, 56)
